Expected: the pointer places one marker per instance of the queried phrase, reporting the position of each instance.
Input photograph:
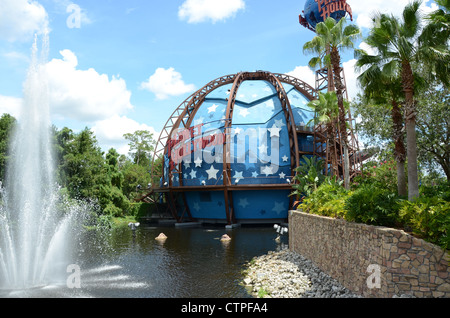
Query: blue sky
(119, 66)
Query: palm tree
(437, 33)
(331, 38)
(383, 90)
(400, 44)
(327, 112)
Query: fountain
(33, 232)
(42, 239)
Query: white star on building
(262, 148)
(285, 158)
(213, 108)
(193, 174)
(244, 112)
(212, 172)
(198, 162)
(238, 176)
(282, 175)
(237, 131)
(274, 131)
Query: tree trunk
(410, 121)
(336, 63)
(401, 179)
(346, 168)
(413, 176)
(331, 141)
(400, 150)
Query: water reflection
(190, 262)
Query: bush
(374, 200)
(141, 209)
(428, 217)
(440, 190)
(308, 177)
(374, 205)
(328, 200)
(382, 174)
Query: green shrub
(141, 209)
(440, 190)
(308, 177)
(328, 200)
(374, 200)
(428, 217)
(382, 174)
(371, 204)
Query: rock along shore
(286, 274)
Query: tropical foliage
(402, 47)
(309, 175)
(403, 110)
(84, 172)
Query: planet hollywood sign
(245, 146)
(327, 7)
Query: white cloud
(167, 82)
(364, 10)
(110, 131)
(84, 95)
(368, 49)
(196, 11)
(305, 74)
(351, 78)
(10, 105)
(20, 19)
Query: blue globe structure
(316, 11)
(230, 150)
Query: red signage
(187, 141)
(327, 7)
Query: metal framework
(322, 147)
(182, 118)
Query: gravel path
(286, 274)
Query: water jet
(33, 234)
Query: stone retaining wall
(372, 261)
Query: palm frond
(411, 19)
(314, 62)
(390, 69)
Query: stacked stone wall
(371, 261)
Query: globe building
(230, 150)
(316, 11)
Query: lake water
(190, 263)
